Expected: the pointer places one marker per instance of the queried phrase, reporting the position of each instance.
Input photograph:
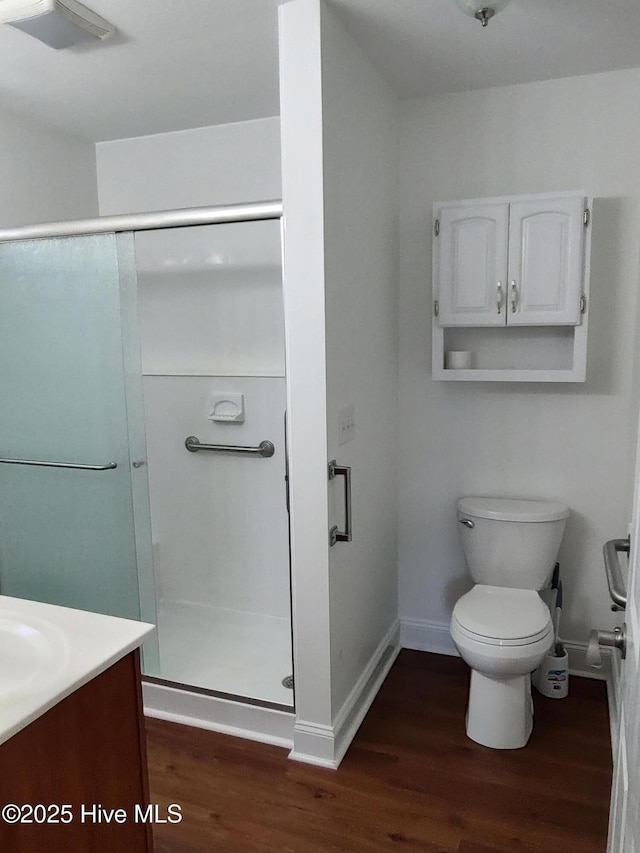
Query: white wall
(573, 444)
(45, 175)
(211, 322)
(339, 192)
(304, 303)
(361, 297)
(226, 164)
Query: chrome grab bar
(614, 572)
(345, 535)
(265, 449)
(110, 466)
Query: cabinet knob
(499, 296)
(514, 297)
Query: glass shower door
(75, 536)
(212, 342)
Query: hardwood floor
(411, 779)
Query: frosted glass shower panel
(66, 535)
(211, 300)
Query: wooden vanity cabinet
(87, 750)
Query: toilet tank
(511, 543)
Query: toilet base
(500, 712)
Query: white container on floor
(551, 678)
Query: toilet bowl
(502, 628)
(503, 635)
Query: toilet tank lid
(508, 509)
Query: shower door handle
(72, 465)
(345, 535)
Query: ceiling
(177, 64)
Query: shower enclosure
(120, 339)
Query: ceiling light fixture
(482, 10)
(58, 23)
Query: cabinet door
(545, 262)
(471, 264)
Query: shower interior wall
(211, 322)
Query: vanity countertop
(47, 652)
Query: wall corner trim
(326, 746)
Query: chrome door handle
(499, 296)
(616, 639)
(613, 570)
(345, 535)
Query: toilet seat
(501, 616)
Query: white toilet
(502, 628)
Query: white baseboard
(314, 744)
(578, 662)
(252, 722)
(354, 709)
(609, 672)
(326, 746)
(425, 635)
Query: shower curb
(253, 722)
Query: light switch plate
(346, 424)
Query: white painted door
(546, 240)
(624, 823)
(470, 254)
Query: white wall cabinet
(510, 281)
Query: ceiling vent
(58, 23)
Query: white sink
(47, 652)
(32, 652)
